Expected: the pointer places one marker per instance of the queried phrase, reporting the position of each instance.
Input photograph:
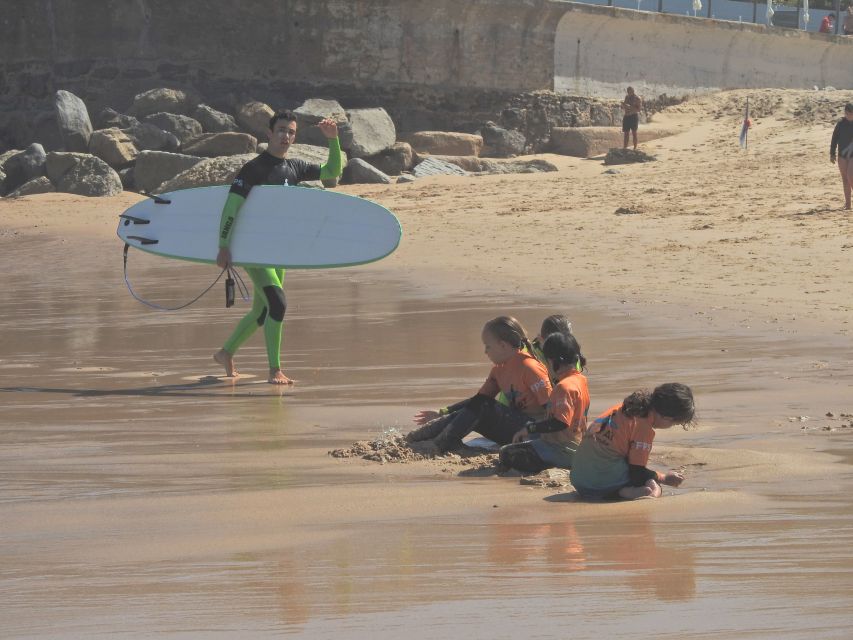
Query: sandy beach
(144, 494)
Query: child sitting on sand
(562, 430)
(516, 373)
(611, 459)
(556, 323)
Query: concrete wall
(601, 50)
(431, 63)
(470, 44)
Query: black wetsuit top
(267, 169)
(842, 139)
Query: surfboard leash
(233, 277)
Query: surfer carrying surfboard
(268, 300)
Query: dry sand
(730, 250)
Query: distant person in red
(827, 25)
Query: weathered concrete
(601, 50)
(585, 142)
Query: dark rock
(153, 168)
(162, 100)
(82, 174)
(207, 173)
(24, 166)
(394, 161)
(221, 144)
(501, 143)
(311, 112)
(213, 121)
(434, 167)
(183, 128)
(373, 132)
(147, 136)
(73, 120)
(627, 156)
(109, 118)
(37, 185)
(254, 117)
(128, 181)
(359, 171)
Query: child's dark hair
(282, 115)
(561, 350)
(556, 323)
(672, 400)
(509, 330)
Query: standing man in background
(631, 106)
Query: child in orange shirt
(611, 459)
(565, 422)
(556, 323)
(521, 377)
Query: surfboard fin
(157, 199)
(128, 219)
(142, 240)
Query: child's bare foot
(649, 490)
(226, 360)
(277, 377)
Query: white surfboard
(290, 227)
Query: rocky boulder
(254, 117)
(213, 121)
(113, 146)
(72, 117)
(153, 168)
(313, 154)
(109, 118)
(152, 138)
(309, 114)
(183, 128)
(501, 143)
(627, 156)
(373, 132)
(162, 100)
(435, 167)
(37, 185)
(23, 166)
(586, 142)
(221, 144)
(207, 173)
(394, 161)
(82, 174)
(2, 180)
(446, 143)
(358, 171)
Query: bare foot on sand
(226, 360)
(649, 490)
(277, 377)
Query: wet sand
(142, 495)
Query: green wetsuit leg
(259, 315)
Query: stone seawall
(442, 64)
(442, 55)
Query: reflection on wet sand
(143, 495)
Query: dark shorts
(630, 123)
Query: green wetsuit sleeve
(333, 167)
(229, 216)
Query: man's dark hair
(849, 107)
(282, 115)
